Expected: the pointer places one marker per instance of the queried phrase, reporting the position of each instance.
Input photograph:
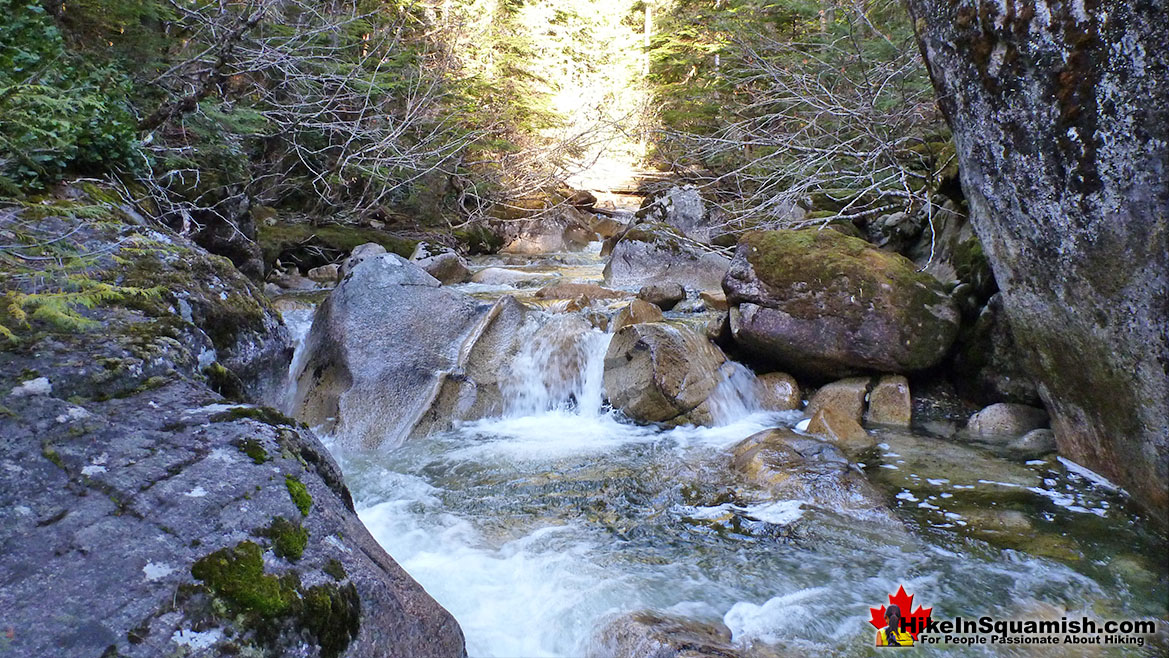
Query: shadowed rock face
(1060, 112)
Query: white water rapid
(536, 528)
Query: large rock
(562, 229)
(845, 397)
(657, 253)
(392, 355)
(1061, 119)
(1005, 419)
(681, 207)
(827, 305)
(659, 373)
(665, 295)
(146, 515)
(794, 467)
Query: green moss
(299, 494)
(253, 449)
(237, 576)
(288, 538)
(479, 239)
(335, 569)
(224, 382)
(50, 453)
(275, 240)
(333, 614)
(266, 415)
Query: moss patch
(335, 570)
(299, 494)
(266, 415)
(224, 382)
(288, 538)
(253, 449)
(237, 576)
(284, 241)
(333, 614)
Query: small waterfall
(561, 368)
(735, 397)
(299, 321)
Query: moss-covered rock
(827, 305)
(307, 246)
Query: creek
(537, 527)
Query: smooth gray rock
(1061, 122)
(393, 355)
(681, 207)
(657, 253)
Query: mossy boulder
(307, 246)
(825, 305)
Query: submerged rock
(826, 305)
(842, 430)
(577, 290)
(794, 467)
(657, 253)
(652, 635)
(659, 373)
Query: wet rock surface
(651, 635)
(658, 373)
(794, 467)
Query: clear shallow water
(536, 528)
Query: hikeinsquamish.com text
(988, 630)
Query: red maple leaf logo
(913, 622)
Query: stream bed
(537, 528)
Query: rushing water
(536, 528)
